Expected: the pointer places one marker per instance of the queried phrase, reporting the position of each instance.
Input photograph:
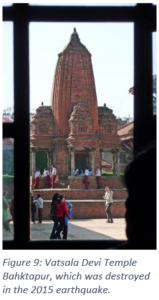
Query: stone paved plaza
(86, 229)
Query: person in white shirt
(54, 172)
(40, 208)
(76, 172)
(109, 201)
(47, 175)
(85, 180)
(37, 175)
(98, 176)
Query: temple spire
(73, 84)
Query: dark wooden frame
(144, 18)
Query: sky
(111, 46)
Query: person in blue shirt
(69, 208)
(90, 172)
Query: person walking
(85, 180)
(109, 201)
(54, 172)
(40, 208)
(61, 211)
(98, 176)
(37, 175)
(33, 208)
(47, 178)
(53, 215)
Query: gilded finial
(74, 35)
(80, 102)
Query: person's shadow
(140, 179)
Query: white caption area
(107, 269)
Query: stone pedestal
(72, 163)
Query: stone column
(117, 162)
(101, 150)
(89, 159)
(92, 162)
(51, 154)
(114, 163)
(72, 162)
(33, 163)
(49, 160)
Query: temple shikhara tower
(73, 130)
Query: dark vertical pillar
(22, 138)
(142, 83)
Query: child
(40, 208)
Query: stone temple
(74, 131)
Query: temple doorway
(41, 160)
(81, 161)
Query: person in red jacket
(61, 211)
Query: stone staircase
(80, 194)
(88, 203)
